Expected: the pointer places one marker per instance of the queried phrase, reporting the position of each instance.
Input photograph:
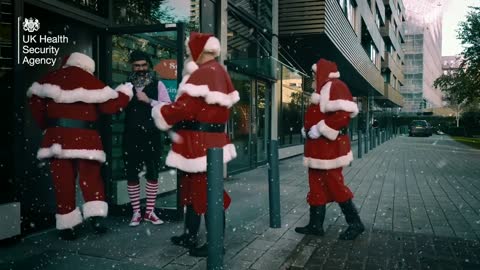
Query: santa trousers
(64, 173)
(327, 186)
(193, 191)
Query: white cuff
(95, 209)
(327, 131)
(160, 121)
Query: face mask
(140, 78)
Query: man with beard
(142, 144)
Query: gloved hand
(314, 133)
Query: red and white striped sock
(152, 188)
(134, 194)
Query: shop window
(292, 108)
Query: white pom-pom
(56, 149)
(175, 137)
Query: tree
(463, 85)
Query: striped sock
(152, 188)
(134, 194)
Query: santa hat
(324, 70)
(196, 45)
(80, 60)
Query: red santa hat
(198, 43)
(80, 60)
(324, 70)
(330, 100)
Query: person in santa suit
(66, 105)
(327, 150)
(142, 144)
(198, 116)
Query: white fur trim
(327, 164)
(80, 94)
(213, 46)
(158, 118)
(56, 151)
(68, 221)
(95, 209)
(189, 67)
(126, 88)
(82, 61)
(334, 75)
(195, 165)
(327, 105)
(211, 97)
(175, 137)
(315, 98)
(327, 131)
(314, 68)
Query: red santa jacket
(205, 96)
(72, 92)
(330, 110)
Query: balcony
(392, 97)
(393, 66)
(389, 34)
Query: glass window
(378, 20)
(292, 108)
(134, 12)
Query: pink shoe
(136, 219)
(151, 217)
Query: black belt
(198, 126)
(343, 131)
(71, 123)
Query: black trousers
(142, 148)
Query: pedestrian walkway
(412, 192)
(419, 199)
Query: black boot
(315, 225)
(68, 234)
(192, 225)
(203, 250)
(355, 225)
(98, 224)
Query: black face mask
(140, 78)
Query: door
(164, 44)
(249, 123)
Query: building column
(275, 95)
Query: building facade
(272, 93)
(363, 37)
(423, 57)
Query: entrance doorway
(164, 44)
(249, 122)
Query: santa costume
(198, 116)
(66, 105)
(327, 149)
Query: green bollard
(274, 186)
(359, 144)
(366, 138)
(215, 208)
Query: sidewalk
(420, 201)
(412, 192)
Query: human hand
(143, 97)
(304, 135)
(314, 133)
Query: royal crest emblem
(31, 25)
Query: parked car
(420, 128)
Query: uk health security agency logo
(38, 48)
(31, 25)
